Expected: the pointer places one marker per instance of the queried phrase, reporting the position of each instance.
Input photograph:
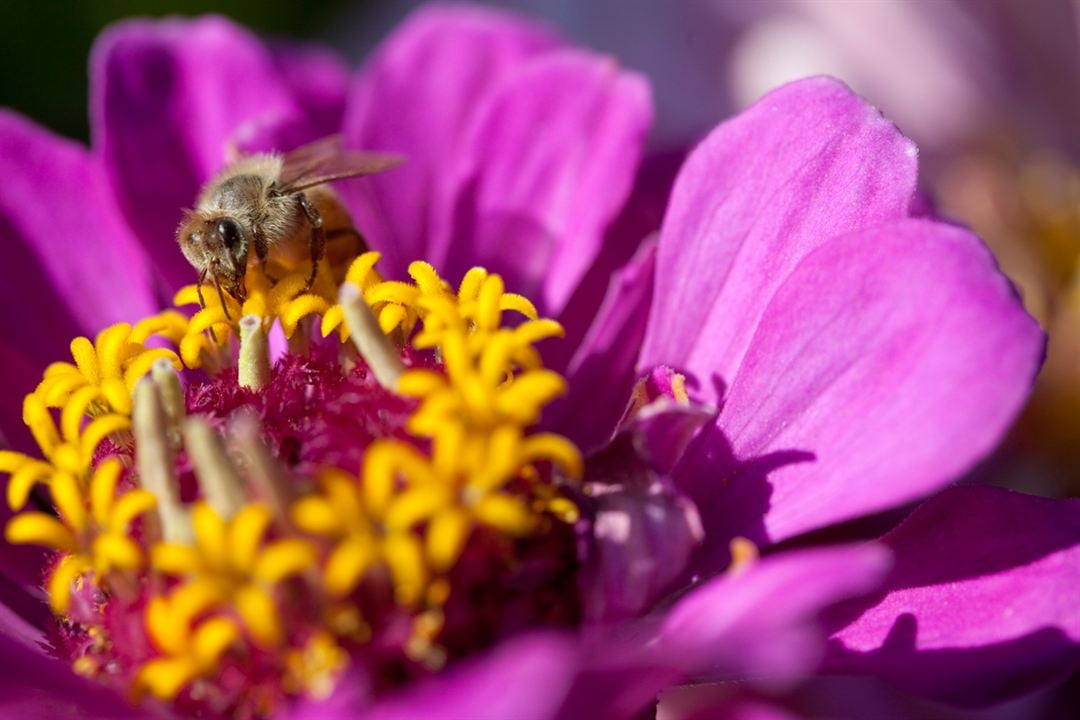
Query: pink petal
(886, 365)
(35, 686)
(319, 81)
(64, 240)
(416, 97)
(763, 621)
(807, 162)
(544, 168)
(601, 373)
(525, 678)
(168, 98)
(982, 604)
(22, 564)
(69, 263)
(638, 224)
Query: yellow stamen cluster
(283, 300)
(407, 517)
(94, 395)
(94, 541)
(104, 373)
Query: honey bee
(267, 201)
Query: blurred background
(989, 89)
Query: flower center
(231, 531)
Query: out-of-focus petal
(637, 224)
(643, 532)
(168, 101)
(23, 613)
(888, 363)
(416, 97)
(764, 620)
(809, 161)
(837, 697)
(524, 678)
(69, 262)
(35, 686)
(601, 373)
(319, 82)
(544, 169)
(982, 604)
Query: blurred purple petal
(23, 612)
(807, 162)
(763, 620)
(601, 373)
(888, 363)
(525, 678)
(635, 227)
(20, 563)
(319, 81)
(415, 97)
(836, 697)
(642, 533)
(544, 169)
(167, 100)
(982, 603)
(34, 686)
(65, 243)
(664, 430)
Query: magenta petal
(69, 263)
(809, 161)
(601, 372)
(167, 99)
(319, 81)
(982, 604)
(525, 678)
(544, 169)
(63, 240)
(34, 686)
(637, 226)
(763, 621)
(415, 97)
(888, 363)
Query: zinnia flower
(392, 517)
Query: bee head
(218, 242)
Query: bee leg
(318, 236)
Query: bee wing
(326, 160)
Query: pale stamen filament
(378, 351)
(154, 461)
(253, 367)
(218, 479)
(264, 472)
(172, 397)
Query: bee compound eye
(229, 232)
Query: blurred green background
(44, 45)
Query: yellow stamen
(224, 573)
(743, 554)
